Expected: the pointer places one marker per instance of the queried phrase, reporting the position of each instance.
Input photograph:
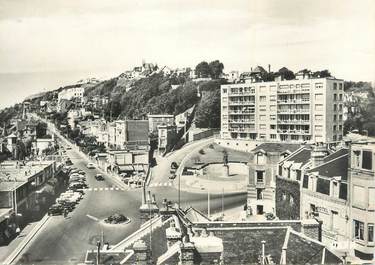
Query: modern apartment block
(299, 110)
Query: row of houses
(333, 184)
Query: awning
(126, 168)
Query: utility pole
(98, 253)
(179, 190)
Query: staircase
(144, 230)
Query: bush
(211, 146)
(116, 219)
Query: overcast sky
(115, 35)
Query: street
(66, 240)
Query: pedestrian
(65, 212)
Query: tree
(208, 111)
(321, 74)
(216, 69)
(203, 70)
(41, 130)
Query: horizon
(91, 38)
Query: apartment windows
(334, 127)
(273, 127)
(262, 126)
(356, 158)
(370, 232)
(294, 137)
(340, 97)
(262, 117)
(262, 99)
(273, 108)
(358, 229)
(260, 194)
(334, 219)
(340, 117)
(273, 117)
(335, 117)
(340, 127)
(334, 97)
(318, 117)
(334, 107)
(272, 97)
(273, 136)
(260, 176)
(335, 86)
(340, 86)
(340, 107)
(225, 90)
(305, 182)
(366, 159)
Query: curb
(27, 239)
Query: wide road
(64, 241)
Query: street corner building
(335, 186)
(305, 109)
(187, 236)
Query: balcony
(293, 101)
(241, 112)
(240, 103)
(293, 111)
(245, 130)
(242, 121)
(307, 122)
(286, 131)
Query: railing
(293, 131)
(175, 248)
(144, 230)
(241, 102)
(294, 101)
(294, 121)
(241, 121)
(296, 111)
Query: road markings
(92, 217)
(161, 184)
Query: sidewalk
(6, 251)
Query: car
(82, 172)
(56, 209)
(68, 162)
(90, 165)
(77, 185)
(173, 176)
(68, 148)
(99, 177)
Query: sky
(86, 38)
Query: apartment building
(337, 188)
(125, 133)
(155, 120)
(70, 93)
(362, 204)
(299, 110)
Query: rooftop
(276, 147)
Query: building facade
(300, 110)
(261, 185)
(362, 204)
(155, 120)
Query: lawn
(214, 153)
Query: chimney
(318, 154)
(269, 68)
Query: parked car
(77, 185)
(82, 172)
(99, 177)
(68, 162)
(90, 165)
(173, 176)
(56, 209)
(68, 148)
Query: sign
(322, 210)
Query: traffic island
(116, 219)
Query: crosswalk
(161, 184)
(104, 189)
